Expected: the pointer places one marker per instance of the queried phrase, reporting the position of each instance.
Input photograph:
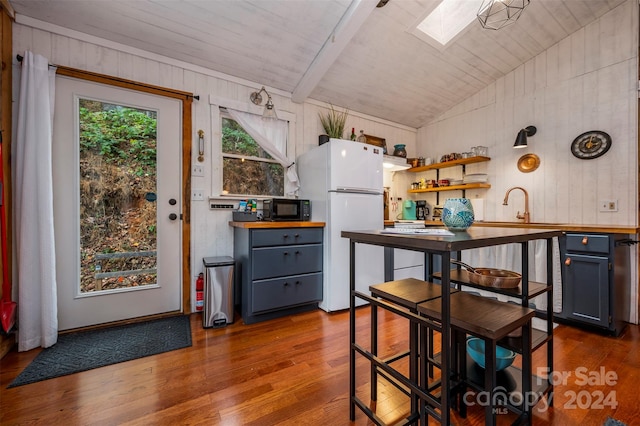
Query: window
(448, 20)
(247, 169)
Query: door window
(117, 196)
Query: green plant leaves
(333, 122)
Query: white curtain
(33, 206)
(272, 136)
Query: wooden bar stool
(491, 321)
(407, 293)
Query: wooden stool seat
(408, 292)
(477, 315)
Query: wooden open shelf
(461, 276)
(453, 187)
(452, 163)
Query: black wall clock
(591, 144)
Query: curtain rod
(20, 58)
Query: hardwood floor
(294, 371)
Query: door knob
(173, 216)
(172, 201)
(567, 261)
(585, 240)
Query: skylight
(449, 19)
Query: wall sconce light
(521, 139)
(269, 111)
(495, 14)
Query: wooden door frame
(6, 53)
(187, 125)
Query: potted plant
(333, 122)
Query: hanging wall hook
(201, 145)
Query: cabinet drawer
(288, 260)
(588, 243)
(285, 236)
(286, 292)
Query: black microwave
(286, 209)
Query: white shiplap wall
(210, 232)
(588, 81)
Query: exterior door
(117, 203)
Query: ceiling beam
(347, 27)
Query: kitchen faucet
(525, 215)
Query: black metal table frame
(443, 246)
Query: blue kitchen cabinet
(280, 271)
(595, 280)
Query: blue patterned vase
(457, 214)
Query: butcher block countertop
(276, 225)
(612, 229)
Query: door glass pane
(117, 196)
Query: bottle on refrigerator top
(362, 138)
(353, 133)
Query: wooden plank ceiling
(382, 70)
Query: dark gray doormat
(86, 350)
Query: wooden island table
(438, 404)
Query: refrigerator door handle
(356, 191)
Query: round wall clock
(591, 144)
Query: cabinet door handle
(286, 284)
(567, 261)
(585, 240)
(298, 252)
(285, 235)
(286, 253)
(297, 236)
(297, 282)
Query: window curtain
(33, 206)
(272, 136)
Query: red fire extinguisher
(200, 292)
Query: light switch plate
(197, 170)
(197, 195)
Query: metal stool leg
(374, 351)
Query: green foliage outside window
(247, 172)
(118, 133)
(117, 171)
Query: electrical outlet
(608, 205)
(197, 195)
(197, 170)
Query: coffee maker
(422, 211)
(409, 210)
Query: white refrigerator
(343, 180)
